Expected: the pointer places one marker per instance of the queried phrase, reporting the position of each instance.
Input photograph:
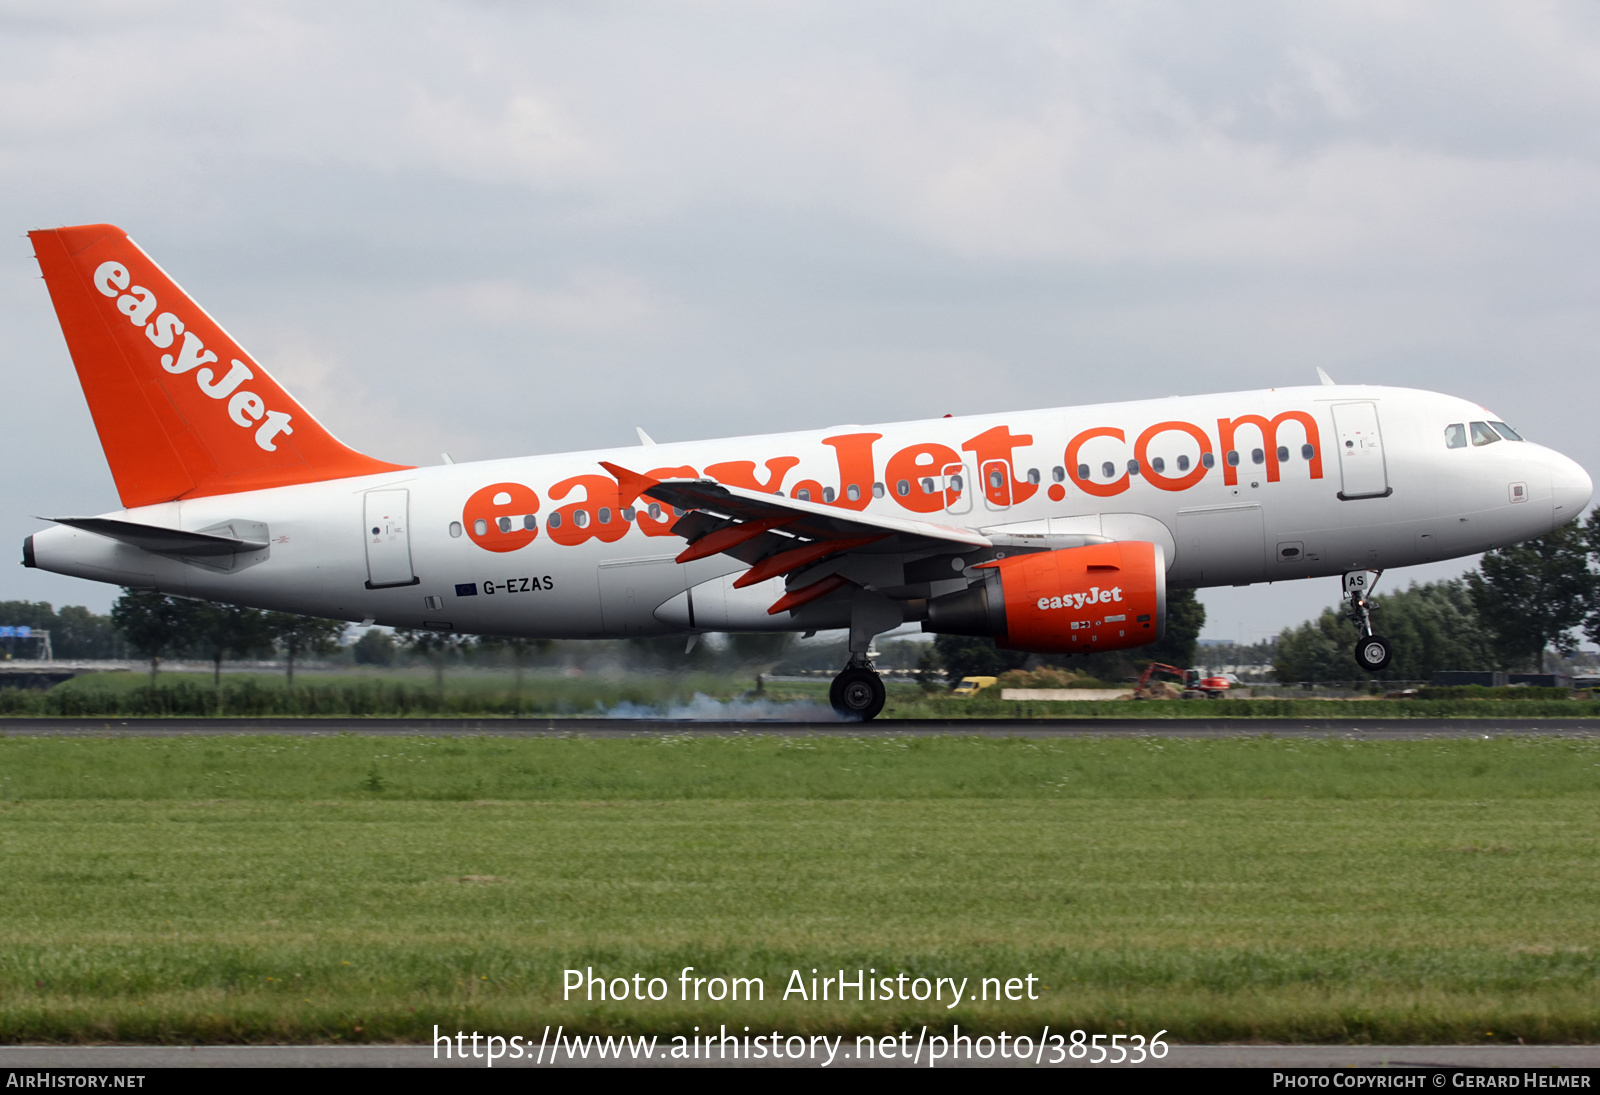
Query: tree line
(1520, 604)
(75, 632)
(159, 626)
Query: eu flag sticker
(466, 589)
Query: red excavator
(1194, 685)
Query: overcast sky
(509, 228)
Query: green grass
(345, 888)
(394, 693)
(982, 706)
(478, 693)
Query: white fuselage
(1366, 482)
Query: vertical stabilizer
(181, 409)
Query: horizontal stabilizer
(162, 541)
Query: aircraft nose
(1570, 488)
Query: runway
(1180, 1056)
(1371, 729)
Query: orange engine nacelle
(1074, 601)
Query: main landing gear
(857, 692)
(1372, 651)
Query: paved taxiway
(1374, 729)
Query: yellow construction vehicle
(971, 686)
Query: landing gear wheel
(1373, 653)
(857, 693)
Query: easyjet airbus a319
(1057, 531)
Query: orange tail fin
(181, 409)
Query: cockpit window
(1506, 431)
(1482, 434)
(1455, 436)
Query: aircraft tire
(857, 694)
(1373, 653)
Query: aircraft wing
(787, 536)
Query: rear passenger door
(388, 538)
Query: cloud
(521, 139)
(498, 228)
(593, 301)
(369, 418)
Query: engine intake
(1075, 601)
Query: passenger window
(1158, 465)
(1257, 456)
(555, 520)
(996, 480)
(1483, 435)
(1133, 467)
(853, 493)
(604, 514)
(455, 528)
(1033, 476)
(1283, 453)
(902, 488)
(530, 522)
(654, 511)
(628, 513)
(505, 524)
(877, 490)
(956, 484)
(1455, 436)
(1506, 431)
(1233, 458)
(1108, 469)
(827, 494)
(1308, 452)
(803, 494)
(927, 486)
(1208, 459)
(480, 527)
(1083, 471)
(1183, 463)
(1059, 474)
(580, 518)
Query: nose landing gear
(857, 692)
(1372, 651)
